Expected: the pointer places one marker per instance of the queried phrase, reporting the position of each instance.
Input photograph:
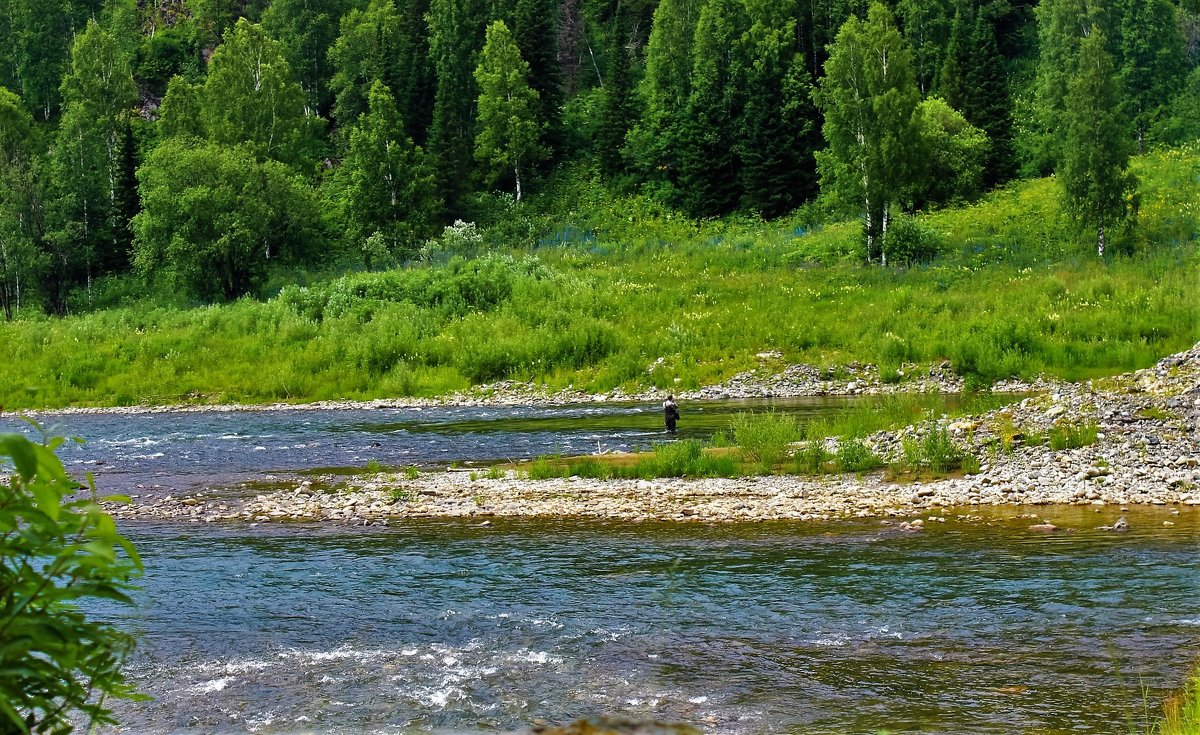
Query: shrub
(854, 456)
(908, 242)
(57, 666)
(764, 437)
(811, 460)
(939, 451)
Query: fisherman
(670, 413)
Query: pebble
(1117, 470)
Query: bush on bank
(617, 284)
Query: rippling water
(769, 628)
(184, 450)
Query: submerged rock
(616, 726)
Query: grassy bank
(613, 285)
(777, 443)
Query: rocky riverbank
(1146, 451)
(771, 379)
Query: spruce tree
(509, 137)
(708, 147)
(535, 32)
(927, 26)
(869, 94)
(1094, 172)
(42, 38)
(974, 81)
(617, 113)
(778, 128)
(455, 32)
(665, 88)
(1152, 62)
(1061, 24)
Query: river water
(452, 627)
(148, 453)
(772, 628)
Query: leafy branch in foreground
(57, 665)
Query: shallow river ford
(455, 627)
(771, 628)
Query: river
(455, 627)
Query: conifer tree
(1152, 62)
(535, 33)
(665, 88)
(617, 113)
(927, 26)
(778, 129)
(509, 137)
(390, 201)
(43, 41)
(1061, 24)
(454, 39)
(869, 94)
(974, 81)
(708, 147)
(1094, 172)
(307, 29)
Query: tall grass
(617, 283)
(1181, 713)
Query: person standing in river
(670, 413)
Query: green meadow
(595, 291)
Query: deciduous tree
(869, 94)
(215, 217)
(1094, 172)
(390, 201)
(509, 135)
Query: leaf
(21, 451)
(47, 499)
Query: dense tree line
(204, 141)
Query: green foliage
(509, 137)
(1095, 175)
(709, 137)
(455, 33)
(934, 452)
(813, 458)
(57, 665)
(958, 151)
(389, 195)
(89, 222)
(855, 456)
(307, 30)
(1181, 713)
(214, 218)
(869, 96)
(910, 242)
(764, 438)
(1072, 435)
(369, 51)
(249, 97)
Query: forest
(203, 142)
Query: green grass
(612, 284)
(1181, 713)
